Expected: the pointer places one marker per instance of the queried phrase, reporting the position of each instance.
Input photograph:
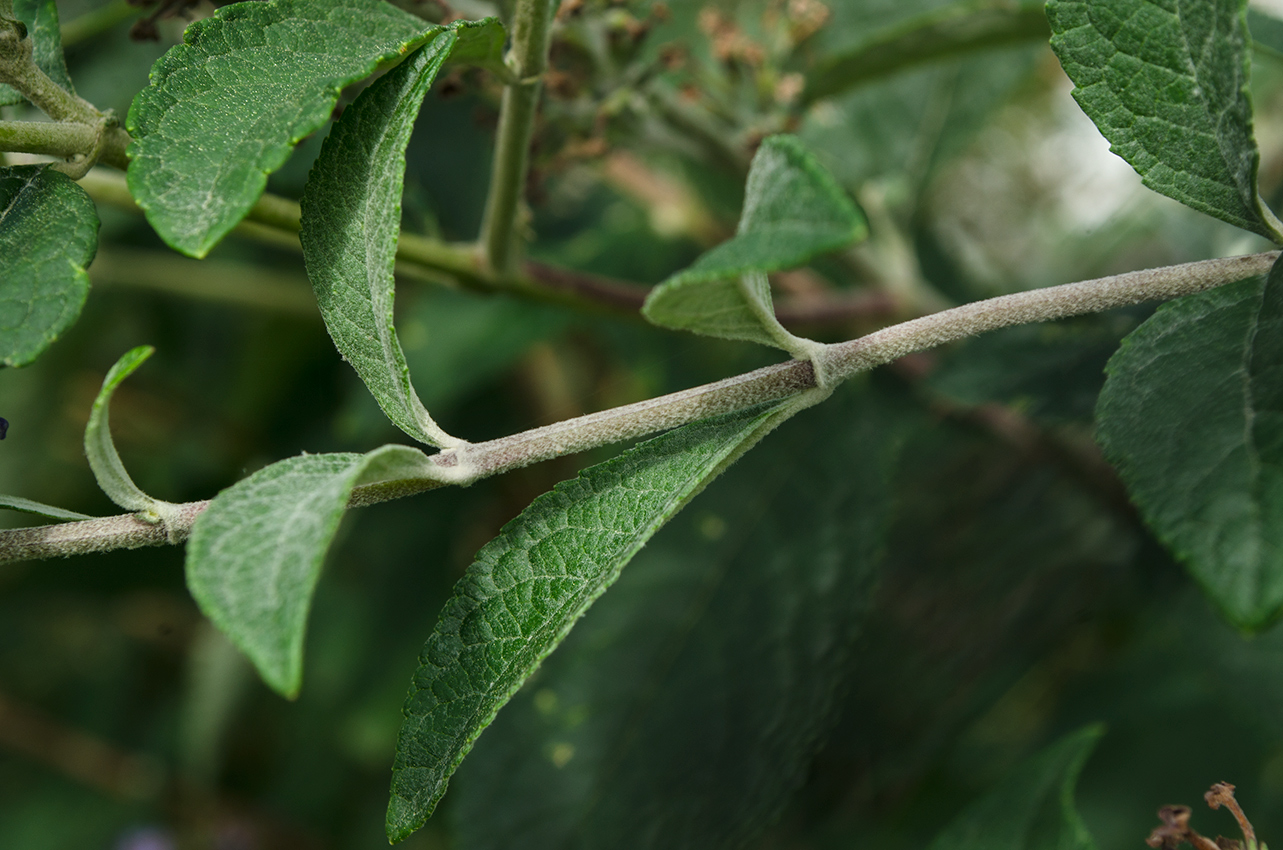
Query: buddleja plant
(1191, 414)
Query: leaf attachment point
(793, 211)
(1167, 84)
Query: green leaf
(1166, 81)
(255, 553)
(17, 503)
(793, 211)
(48, 235)
(41, 19)
(1033, 808)
(685, 709)
(225, 108)
(101, 451)
(528, 586)
(351, 221)
(1192, 416)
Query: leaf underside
(684, 710)
(109, 471)
(1192, 416)
(48, 235)
(27, 506)
(255, 553)
(1033, 808)
(1166, 82)
(351, 221)
(41, 19)
(793, 211)
(225, 108)
(529, 585)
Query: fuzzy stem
(844, 360)
(19, 70)
(528, 58)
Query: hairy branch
(474, 461)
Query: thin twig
(473, 461)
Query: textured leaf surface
(108, 469)
(255, 553)
(225, 108)
(529, 585)
(793, 211)
(351, 220)
(1166, 81)
(1192, 415)
(41, 18)
(1033, 808)
(48, 235)
(684, 711)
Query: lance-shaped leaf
(225, 108)
(27, 506)
(48, 235)
(683, 712)
(1192, 415)
(1166, 81)
(1031, 809)
(41, 20)
(351, 220)
(255, 553)
(793, 211)
(529, 585)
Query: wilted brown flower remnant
(1176, 830)
(729, 41)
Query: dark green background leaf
(1166, 83)
(48, 235)
(684, 711)
(1192, 415)
(225, 108)
(528, 586)
(1033, 808)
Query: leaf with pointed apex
(529, 585)
(255, 553)
(108, 469)
(1166, 81)
(1192, 416)
(41, 20)
(351, 221)
(793, 211)
(225, 108)
(26, 506)
(684, 710)
(1033, 808)
(48, 235)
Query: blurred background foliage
(1020, 596)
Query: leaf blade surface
(793, 211)
(528, 586)
(1166, 81)
(1192, 416)
(225, 108)
(351, 221)
(684, 710)
(255, 553)
(48, 235)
